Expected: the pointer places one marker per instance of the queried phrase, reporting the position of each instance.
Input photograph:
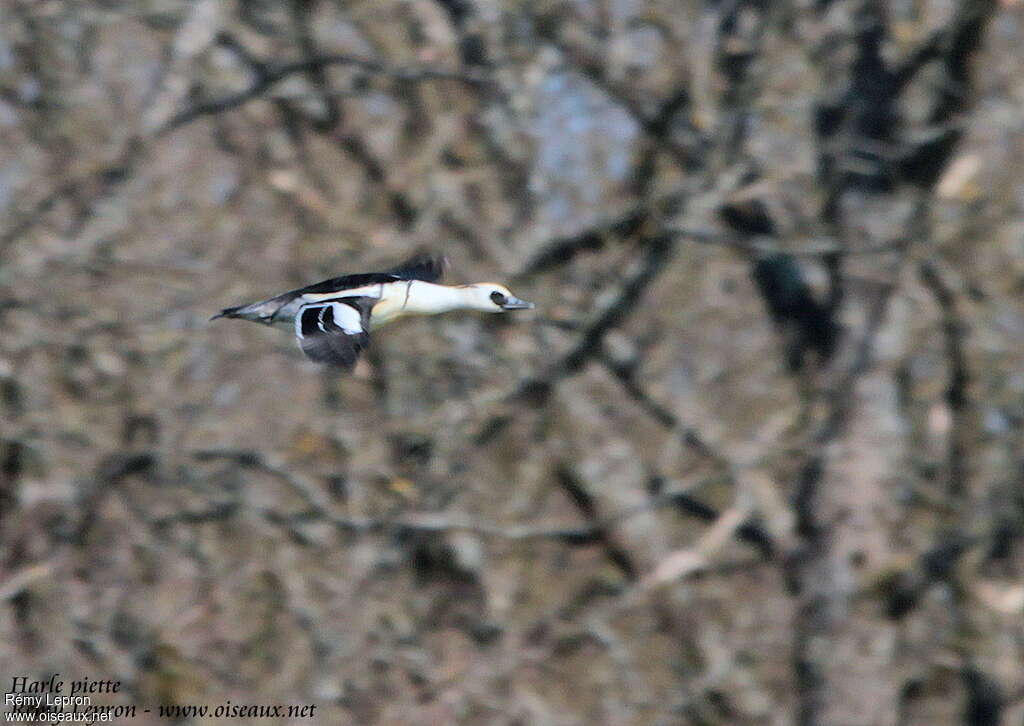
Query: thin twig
(272, 75)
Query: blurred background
(755, 459)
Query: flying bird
(333, 319)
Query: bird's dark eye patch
(497, 298)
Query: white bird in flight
(333, 319)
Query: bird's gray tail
(228, 313)
(258, 312)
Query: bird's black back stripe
(347, 282)
(423, 266)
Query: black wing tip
(345, 366)
(426, 265)
(333, 354)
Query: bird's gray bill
(514, 303)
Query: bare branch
(270, 75)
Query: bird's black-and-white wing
(335, 331)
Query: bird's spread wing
(336, 331)
(423, 266)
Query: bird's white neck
(426, 298)
(418, 298)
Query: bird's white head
(490, 297)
